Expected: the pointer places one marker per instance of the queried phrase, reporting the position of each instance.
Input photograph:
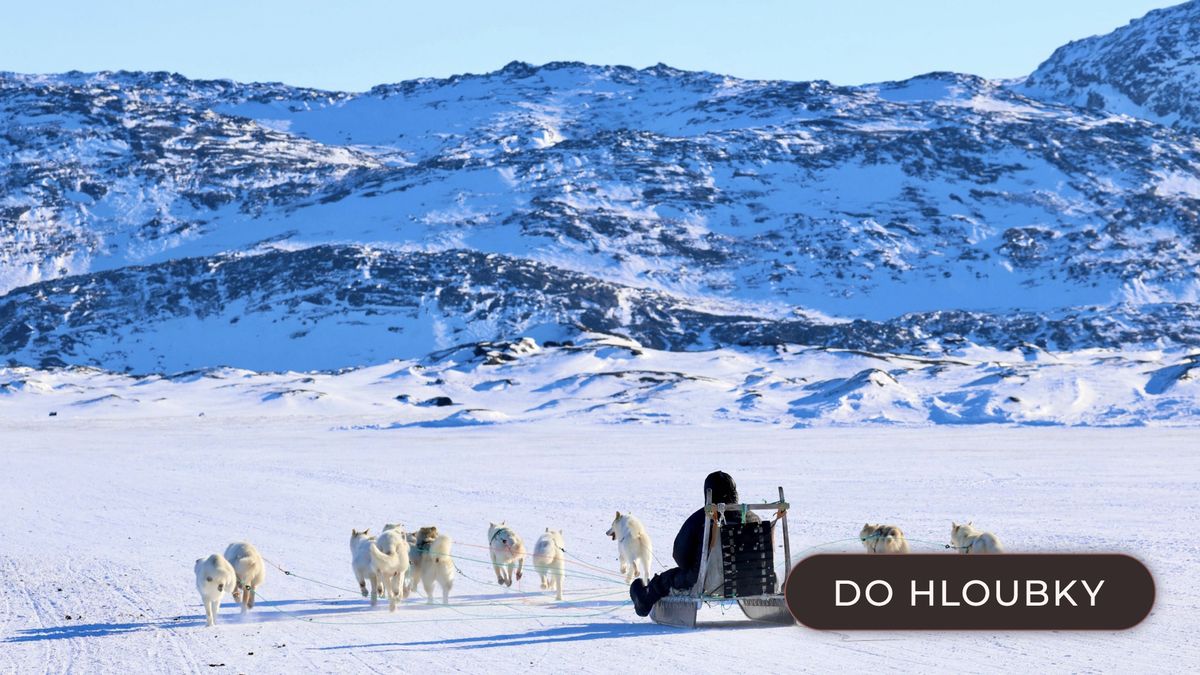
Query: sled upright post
(787, 542)
(747, 566)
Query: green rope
(466, 616)
(507, 590)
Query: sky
(354, 44)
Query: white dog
(415, 555)
(431, 561)
(508, 553)
(633, 546)
(361, 544)
(214, 575)
(548, 561)
(251, 572)
(389, 562)
(967, 539)
(883, 539)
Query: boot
(643, 598)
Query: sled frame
(681, 610)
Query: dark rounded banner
(970, 592)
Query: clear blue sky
(354, 44)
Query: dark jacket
(689, 543)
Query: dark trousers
(676, 578)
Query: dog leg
(250, 600)
(520, 567)
(427, 582)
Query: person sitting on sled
(687, 552)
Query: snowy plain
(103, 518)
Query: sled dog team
(963, 538)
(392, 564)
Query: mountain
(325, 306)
(153, 223)
(1149, 69)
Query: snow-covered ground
(103, 518)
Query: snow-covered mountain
(325, 307)
(1149, 68)
(152, 223)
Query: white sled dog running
(431, 561)
(250, 570)
(633, 547)
(968, 540)
(548, 561)
(395, 535)
(361, 544)
(214, 576)
(507, 551)
(389, 563)
(883, 539)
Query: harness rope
(520, 609)
(466, 616)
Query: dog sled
(747, 566)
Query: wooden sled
(747, 565)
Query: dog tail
(440, 548)
(378, 554)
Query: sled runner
(747, 552)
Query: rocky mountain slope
(1149, 69)
(152, 223)
(325, 306)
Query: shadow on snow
(309, 610)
